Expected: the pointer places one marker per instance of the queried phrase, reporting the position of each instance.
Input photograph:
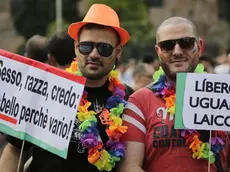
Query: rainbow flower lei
(165, 90)
(110, 116)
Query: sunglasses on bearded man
(104, 49)
(186, 43)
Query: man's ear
(119, 52)
(158, 50)
(200, 46)
(75, 47)
(51, 60)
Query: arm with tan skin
(134, 156)
(10, 158)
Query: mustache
(178, 58)
(98, 62)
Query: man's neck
(96, 83)
(63, 67)
(173, 82)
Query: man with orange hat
(95, 144)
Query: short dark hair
(61, 47)
(96, 26)
(36, 48)
(147, 58)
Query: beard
(94, 73)
(172, 75)
(96, 76)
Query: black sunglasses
(103, 49)
(186, 43)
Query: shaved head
(180, 46)
(175, 21)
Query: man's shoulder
(145, 97)
(145, 91)
(128, 91)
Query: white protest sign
(206, 102)
(38, 102)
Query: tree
(134, 18)
(33, 16)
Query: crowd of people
(130, 72)
(137, 139)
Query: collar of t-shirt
(98, 97)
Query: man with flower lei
(95, 144)
(98, 46)
(152, 142)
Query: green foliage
(33, 16)
(133, 16)
(52, 27)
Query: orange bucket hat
(102, 15)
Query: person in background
(61, 50)
(36, 48)
(120, 68)
(152, 60)
(208, 62)
(59, 53)
(224, 63)
(142, 75)
(128, 74)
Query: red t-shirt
(165, 150)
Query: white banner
(206, 102)
(38, 102)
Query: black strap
(128, 92)
(150, 86)
(218, 163)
